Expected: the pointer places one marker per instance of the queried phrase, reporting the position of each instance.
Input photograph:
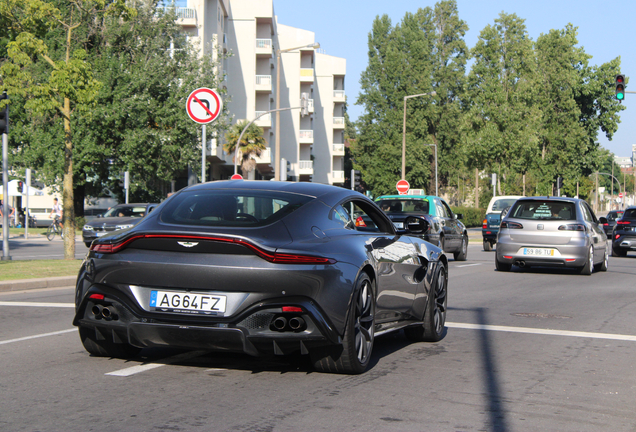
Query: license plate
(190, 303)
(538, 252)
(398, 225)
(101, 233)
(494, 226)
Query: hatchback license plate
(538, 252)
(170, 301)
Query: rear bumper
(566, 255)
(490, 234)
(625, 243)
(251, 332)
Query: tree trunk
(67, 193)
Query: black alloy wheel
(602, 266)
(462, 253)
(352, 357)
(433, 326)
(618, 252)
(588, 268)
(501, 266)
(105, 348)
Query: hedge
(473, 217)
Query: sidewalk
(27, 284)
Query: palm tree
(252, 144)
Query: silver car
(552, 232)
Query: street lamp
(315, 45)
(619, 187)
(435, 145)
(433, 93)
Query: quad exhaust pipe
(296, 323)
(282, 324)
(521, 264)
(104, 312)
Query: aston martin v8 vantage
(261, 267)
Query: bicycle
(53, 229)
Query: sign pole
(5, 186)
(203, 132)
(26, 210)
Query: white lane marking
(36, 304)
(547, 332)
(37, 336)
(134, 370)
(148, 366)
(469, 265)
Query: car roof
(550, 198)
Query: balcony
(264, 47)
(338, 150)
(338, 122)
(306, 167)
(310, 106)
(265, 121)
(337, 176)
(306, 137)
(339, 96)
(186, 17)
(264, 158)
(214, 151)
(263, 83)
(307, 75)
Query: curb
(27, 284)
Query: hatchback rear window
(245, 208)
(403, 205)
(501, 204)
(544, 210)
(630, 214)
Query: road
(539, 350)
(38, 247)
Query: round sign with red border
(402, 187)
(620, 194)
(204, 105)
(236, 177)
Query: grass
(36, 269)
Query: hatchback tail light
(484, 224)
(573, 227)
(623, 222)
(360, 222)
(511, 225)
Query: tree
(69, 86)
(252, 144)
(424, 52)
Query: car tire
(487, 246)
(462, 253)
(587, 269)
(618, 253)
(105, 348)
(501, 266)
(353, 356)
(602, 266)
(433, 327)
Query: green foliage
(252, 144)
(473, 217)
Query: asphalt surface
(526, 350)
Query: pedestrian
(11, 212)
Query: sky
(604, 30)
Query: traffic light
(620, 87)
(21, 187)
(4, 116)
(559, 182)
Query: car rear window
(230, 208)
(543, 209)
(630, 214)
(404, 205)
(501, 204)
(126, 211)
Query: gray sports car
(552, 232)
(261, 267)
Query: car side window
(440, 209)
(341, 215)
(592, 215)
(586, 213)
(449, 212)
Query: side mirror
(602, 220)
(459, 216)
(415, 225)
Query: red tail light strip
(273, 257)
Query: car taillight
(573, 227)
(97, 296)
(623, 222)
(360, 222)
(484, 224)
(511, 225)
(605, 224)
(292, 309)
(616, 236)
(274, 257)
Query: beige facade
(248, 30)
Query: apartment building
(249, 31)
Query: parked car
(120, 217)
(490, 225)
(552, 231)
(612, 217)
(261, 267)
(435, 222)
(624, 234)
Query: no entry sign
(402, 187)
(204, 105)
